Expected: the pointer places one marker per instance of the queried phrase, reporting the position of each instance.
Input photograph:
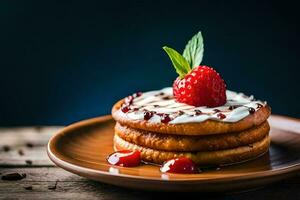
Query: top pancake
(210, 121)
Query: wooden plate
(82, 148)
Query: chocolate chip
(38, 129)
(21, 152)
(181, 112)
(29, 145)
(166, 98)
(13, 176)
(28, 187)
(28, 162)
(6, 148)
(234, 107)
(198, 112)
(216, 110)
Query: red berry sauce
(125, 109)
(128, 100)
(221, 116)
(181, 165)
(148, 115)
(251, 110)
(137, 94)
(125, 158)
(165, 118)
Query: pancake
(162, 128)
(202, 158)
(192, 143)
(207, 127)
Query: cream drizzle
(163, 101)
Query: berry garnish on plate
(197, 85)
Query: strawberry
(203, 86)
(197, 85)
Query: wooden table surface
(23, 151)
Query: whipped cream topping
(160, 106)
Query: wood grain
(30, 141)
(70, 186)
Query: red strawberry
(203, 86)
(196, 85)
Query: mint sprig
(192, 55)
(180, 63)
(194, 49)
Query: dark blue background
(63, 62)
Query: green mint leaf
(180, 63)
(193, 51)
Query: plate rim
(76, 168)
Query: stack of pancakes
(207, 143)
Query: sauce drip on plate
(181, 165)
(125, 158)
